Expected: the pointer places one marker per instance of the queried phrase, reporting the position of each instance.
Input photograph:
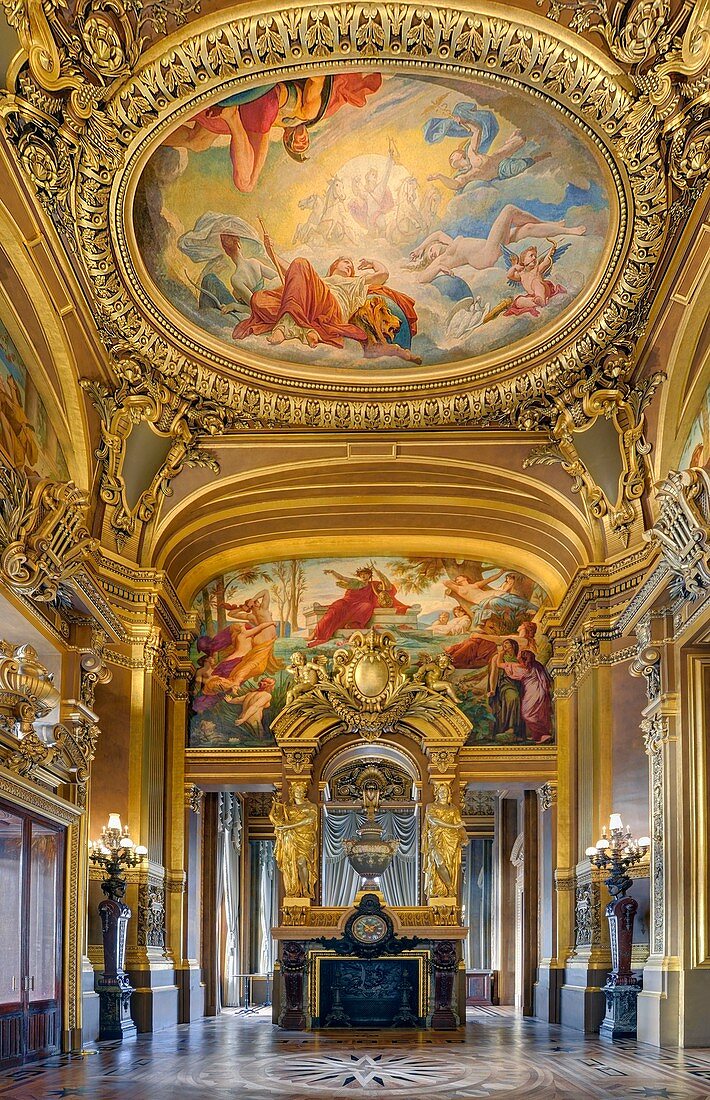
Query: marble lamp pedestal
(113, 986)
(622, 988)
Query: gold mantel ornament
(367, 689)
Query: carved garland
(79, 116)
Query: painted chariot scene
(479, 620)
(368, 221)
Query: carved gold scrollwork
(668, 57)
(625, 408)
(43, 534)
(367, 690)
(27, 694)
(119, 412)
(682, 529)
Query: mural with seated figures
(483, 616)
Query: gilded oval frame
(537, 58)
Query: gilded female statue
(296, 827)
(444, 837)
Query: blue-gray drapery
(228, 852)
(400, 882)
(477, 887)
(264, 907)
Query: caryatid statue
(443, 841)
(296, 825)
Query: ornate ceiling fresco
(164, 167)
(450, 219)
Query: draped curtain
(228, 889)
(264, 905)
(401, 879)
(477, 887)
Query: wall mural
(697, 446)
(372, 221)
(27, 439)
(481, 615)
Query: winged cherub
(528, 269)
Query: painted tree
(280, 591)
(418, 574)
(297, 587)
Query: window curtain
(228, 886)
(264, 905)
(477, 887)
(401, 879)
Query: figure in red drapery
(317, 310)
(248, 117)
(365, 592)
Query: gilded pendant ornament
(83, 118)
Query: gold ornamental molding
(44, 540)
(367, 689)
(151, 402)
(87, 107)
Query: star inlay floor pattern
(497, 1055)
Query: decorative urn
(369, 853)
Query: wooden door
(31, 873)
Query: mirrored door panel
(31, 899)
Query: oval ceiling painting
(373, 221)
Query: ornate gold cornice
(83, 120)
(44, 539)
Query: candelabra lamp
(113, 853)
(616, 853)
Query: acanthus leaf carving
(43, 535)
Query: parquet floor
(246, 1058)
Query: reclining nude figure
(443, 254)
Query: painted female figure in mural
(441, 254)
(504, 692)
(250, 641)
(330, 309)
(366, 591)
(536, 705)
(248, 118)
(17, 434)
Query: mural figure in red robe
(249, 116)
(364, 593)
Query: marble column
(547, 985)
(582, 1003)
